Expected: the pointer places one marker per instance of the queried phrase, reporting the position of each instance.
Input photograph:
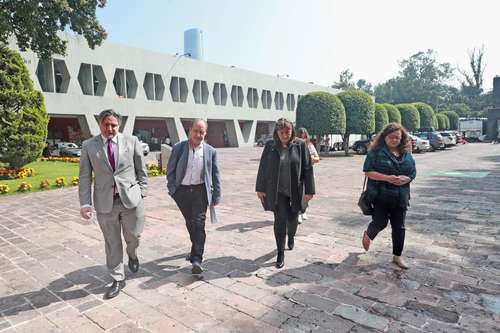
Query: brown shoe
(366, 241)
(399, 262)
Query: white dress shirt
(194, 169)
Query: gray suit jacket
(176, 170)
(130, 175)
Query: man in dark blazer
(193, 182)
(120, 181)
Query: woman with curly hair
(390, 168)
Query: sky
(313, 40)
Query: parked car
(449, 139)
(261, 142)
(70, 152)
(435, 139)
(57, 148)
(420, 145)
(361, 146)
(145, 148)
(458, 136)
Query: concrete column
(92, 126)
(128, 126)
(248, 132)
(238, 137)
(233, 133)
(176, 130)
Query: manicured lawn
(44, 170)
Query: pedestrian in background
(304, 135)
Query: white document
(213, 216)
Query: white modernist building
(159, 94)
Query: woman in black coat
(285, 183)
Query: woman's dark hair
(404, 144)
(302, 131)
(282, 123)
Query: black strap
(364, 184)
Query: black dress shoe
(291, 243)
(280, 261)
(114, 290)
(197, 269)
(133, 264)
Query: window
(178, 89)
(266, 99)
(200, 92)
(252, 98)
(91, 79)
(153, 86)
(125, 83)
(290, 102)
(219, 93)
(53, 75)
(237, 96)
(278, 100)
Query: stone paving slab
(52, 274)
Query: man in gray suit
(120, 183)
(193, 182)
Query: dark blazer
(301, 174)
(176, 170)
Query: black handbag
(364, 201)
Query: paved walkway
(52, 273)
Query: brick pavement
(52, 275)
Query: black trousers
(285, 221)
(386, 210)
(192, 202)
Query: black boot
(280, 261)
(291, 243)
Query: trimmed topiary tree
(453, 117)
(360, 114)
(427, 116)
(443, 121)
(393, 113)
(321, 113)
(410, 118)
(23, 119)
(381, 117)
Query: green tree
(35, 24)
(345, 80)
(381, 117)
(453, 117)
(427, 116)
(321, 113)
(23, 119)
(410, 118)
(393, 113)
(421, 78)
(472, 84)
(361, 84)
(462, 109)
(360, 114)
(443, 121)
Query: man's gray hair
(108, 113)
(198, 120)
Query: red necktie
(111, 155)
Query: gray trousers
(131, 222)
